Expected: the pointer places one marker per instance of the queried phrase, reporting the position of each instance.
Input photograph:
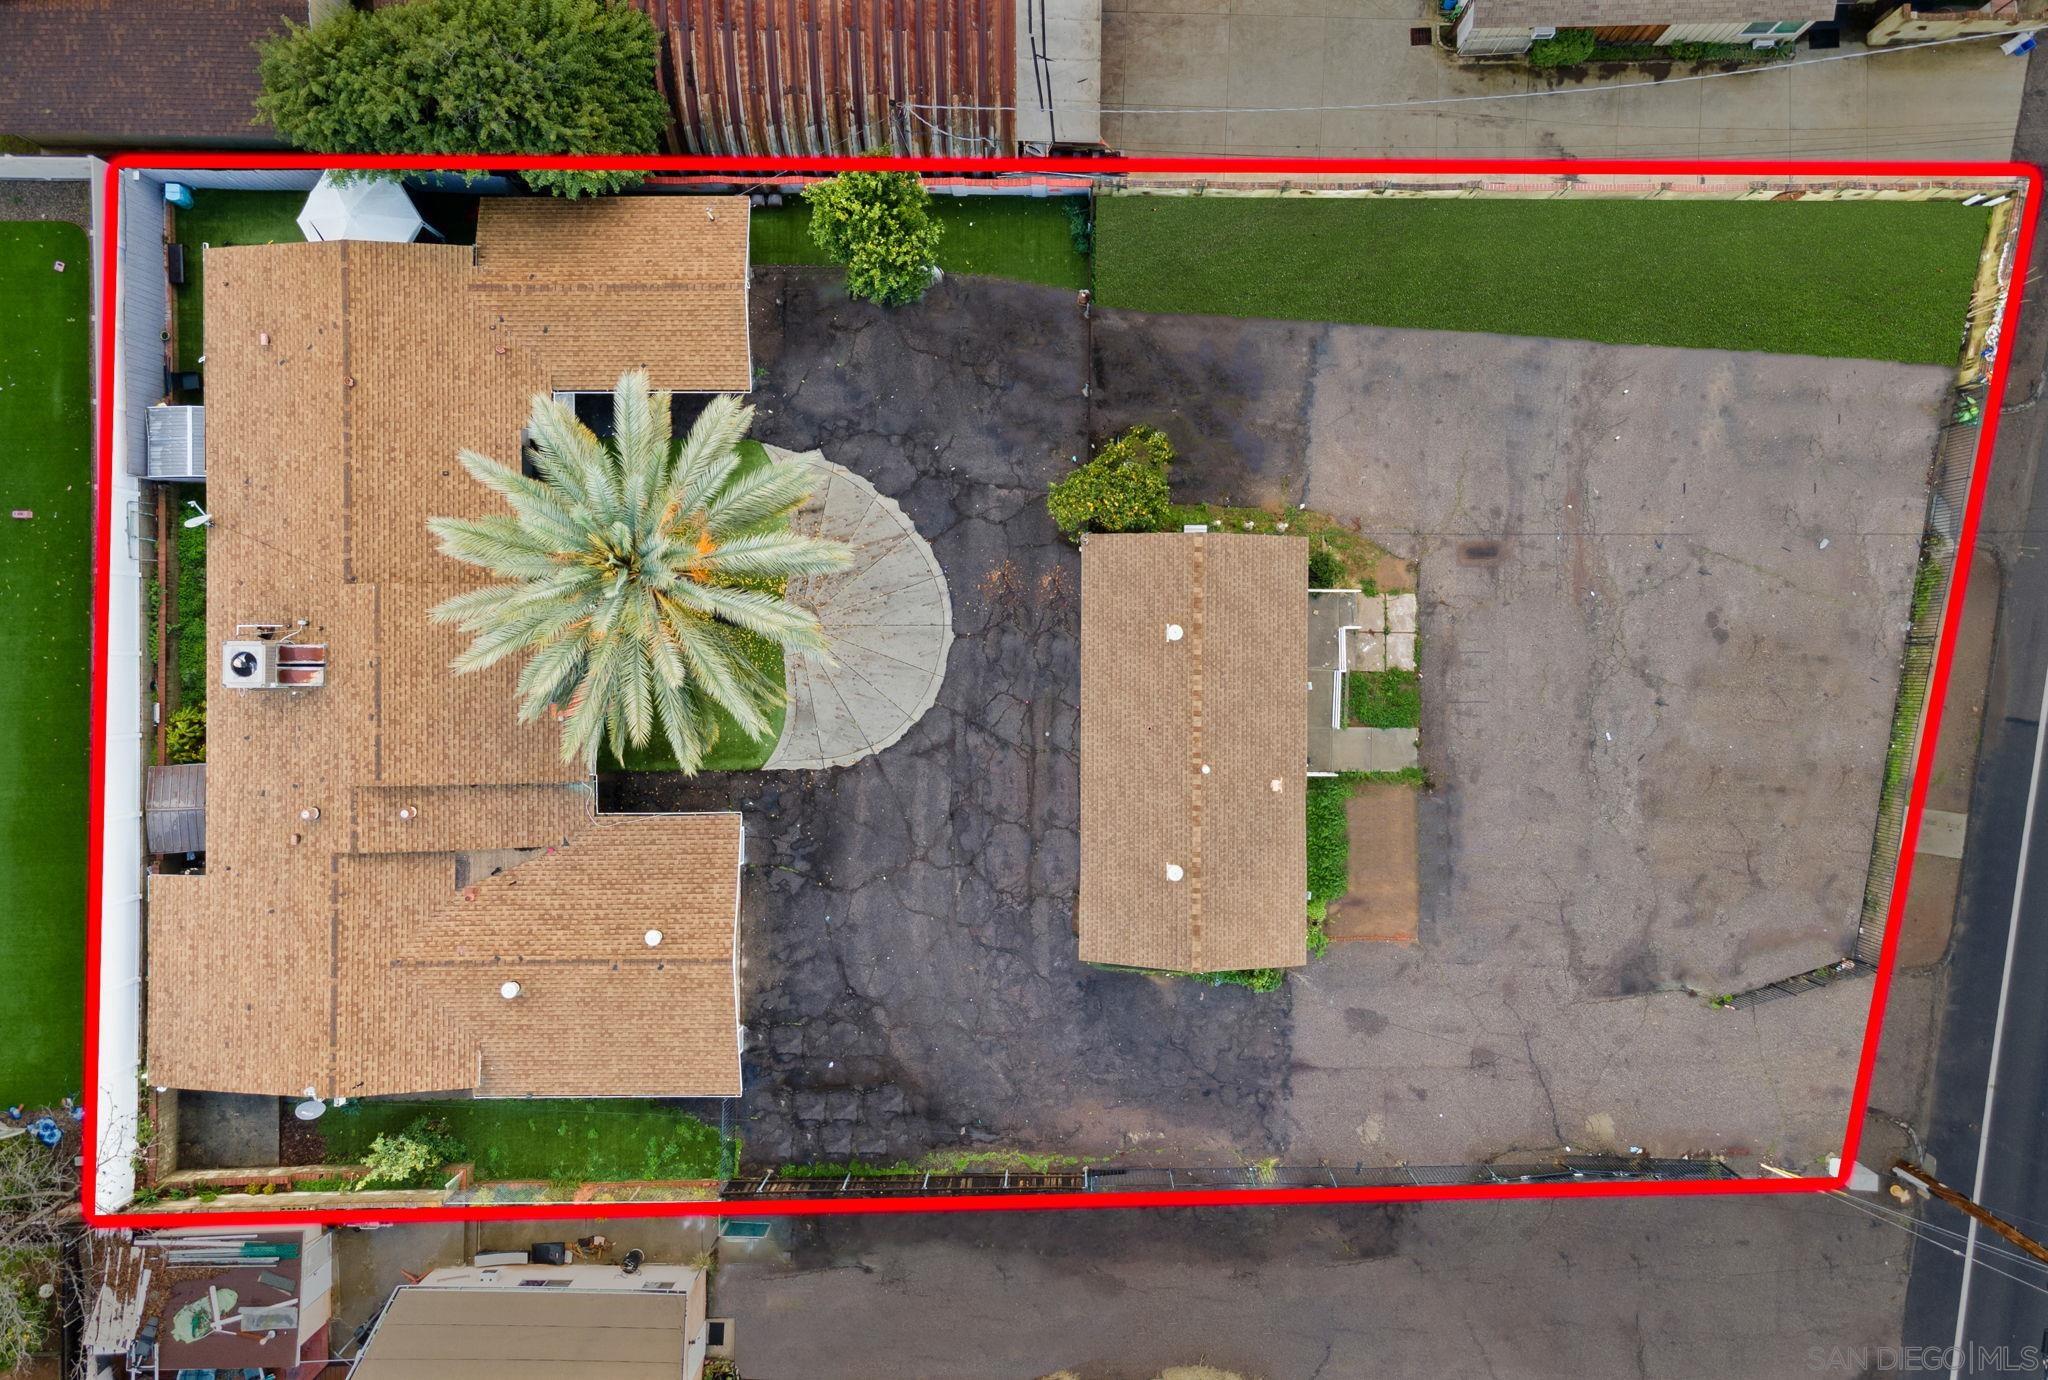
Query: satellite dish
(312, 1109)
(202, 518)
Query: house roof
(97, 72)
(1183, 742)
(433, 1333)
(1592, 14)
(341, 943)
(620, 283)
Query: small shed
(174, 809)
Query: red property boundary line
(769, 170)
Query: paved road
(2002, 910)
(1760, 1289)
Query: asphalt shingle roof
(334, 942)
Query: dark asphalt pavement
(2001, 1311)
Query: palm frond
(620, 572)
(773, 490)
(778, 554)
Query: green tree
(1122, 489)
(472, 76)
(631, 570)
(880, 226)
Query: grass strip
(45, 653)
(1866, 280)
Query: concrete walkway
(888, 621)
(1358, 632)
(1212, 71)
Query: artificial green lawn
(222, 218)
(1866, 280)
(560, 1141)
(1026, 238)
(45, 654)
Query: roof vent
(1174, 872)
(508, 990)
(1174, 632)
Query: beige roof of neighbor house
(332, 941)
(1194, 751)
(429, 1333)
(1593, 14)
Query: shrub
(1123, 489)
(1080, 224)
(1325, 570)
(24, 1317)
(1385, 699)
(185, 734)
(1257, 979)
(1570, 48)
(473, 76)
(879, 226)
(411, 1159)
(1329, 838)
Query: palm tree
(632, 573)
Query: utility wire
(1908, 1220)
(1498, 96)
(1912, 1227)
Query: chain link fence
(764, 1185)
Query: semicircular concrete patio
(888, 623)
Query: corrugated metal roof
(838, 76)
(174, 809)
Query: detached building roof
(1594, 14)
(141, 72)
(541, 1323)
(387, 849)
(1194, 751)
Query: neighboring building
(178, 1303)
(406, 890)
(1905, 24)
(1510, 26)
(140, 73)
(944, 78)
(1194, 750)
(542, 1322)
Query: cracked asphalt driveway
(1654, 714)
(910, 977)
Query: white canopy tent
(365, 209)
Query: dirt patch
(1384, 900)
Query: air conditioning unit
(248, 665)
(1547, 31)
